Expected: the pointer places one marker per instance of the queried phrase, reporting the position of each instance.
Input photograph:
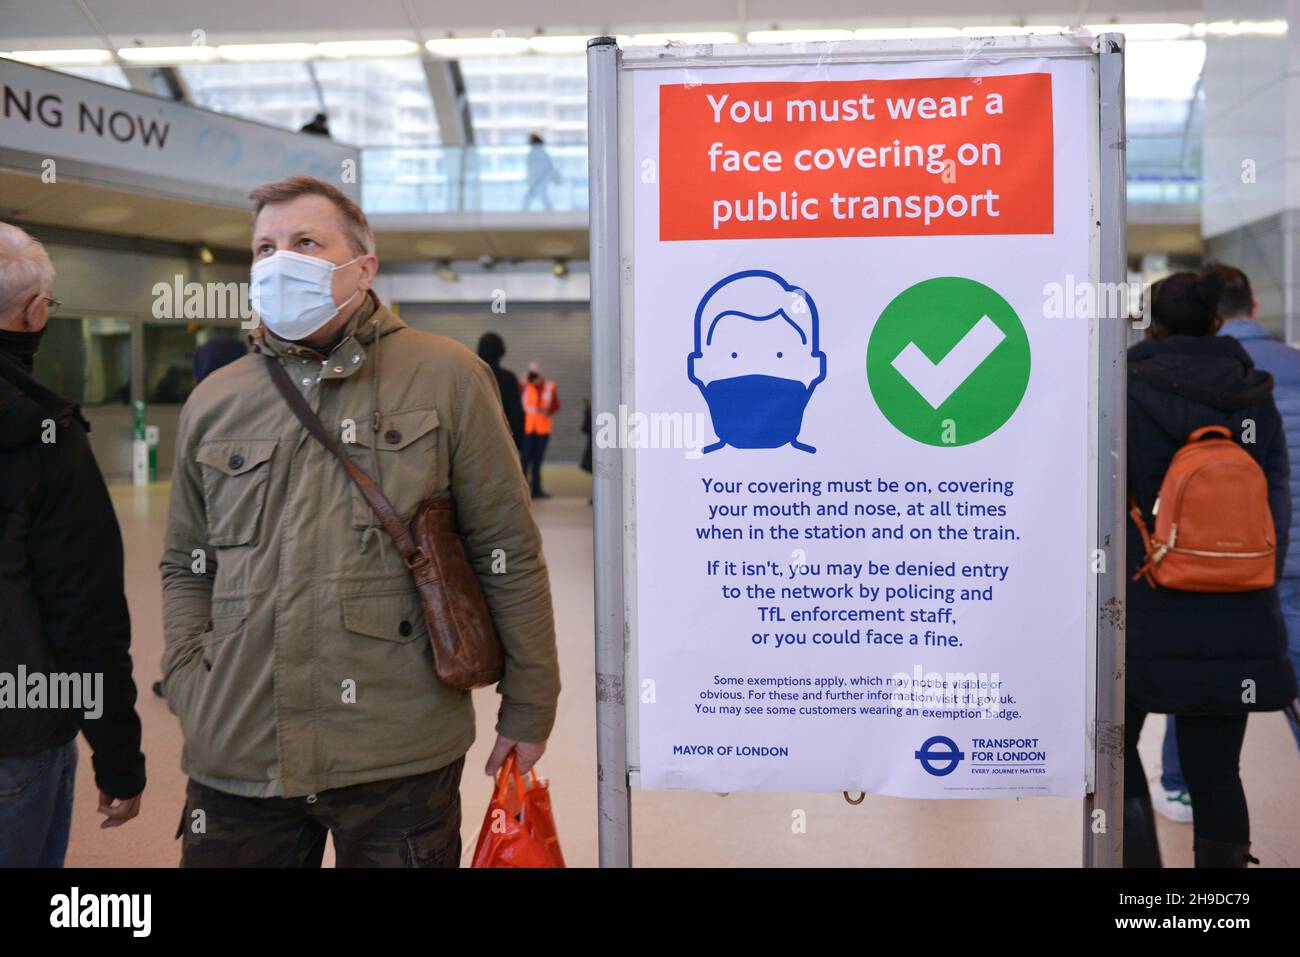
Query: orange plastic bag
(518, 829)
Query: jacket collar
(1244, 329)
(1213, 370)
(1198, 347)
(371, 319)
(25, 404)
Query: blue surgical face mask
(756, 411)
(294, 294)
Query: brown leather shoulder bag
(466, 649)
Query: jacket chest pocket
(236, 473)
(393, 615)
(405, 453)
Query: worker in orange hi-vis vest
(541, 401)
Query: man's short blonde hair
(353, 219)
(25, 268)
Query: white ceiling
(44, 24)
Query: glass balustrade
(487, 179)
(1163, 168)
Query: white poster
(861, 421)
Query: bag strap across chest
(411, 553)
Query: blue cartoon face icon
(756, 360)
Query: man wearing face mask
(63, 611)
(298, 657)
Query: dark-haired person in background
(492, 349)
(1237, 308)
(1189, 652)
(541, 172)
(319, 126)
(216, 352)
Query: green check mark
(948, 361)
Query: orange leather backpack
(1213, 525)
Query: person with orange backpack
(1210, 512)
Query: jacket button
(236, 462)
(392, 436)
(404, 628)
(207, 664)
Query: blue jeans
(531, 455)
(1171, 772)
(36, 807)
(1288, 592)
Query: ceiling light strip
(459, 47)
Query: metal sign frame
(612, 166)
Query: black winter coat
(1190, 652)
(62, 605)
(508, 383)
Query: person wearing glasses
(66, 634)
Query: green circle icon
(948, 361)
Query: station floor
(670, 828)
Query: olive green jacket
(297, 656)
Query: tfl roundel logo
(939, 755)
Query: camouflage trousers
(404, 822)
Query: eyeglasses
(52, 305)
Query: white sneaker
(1175, 805)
